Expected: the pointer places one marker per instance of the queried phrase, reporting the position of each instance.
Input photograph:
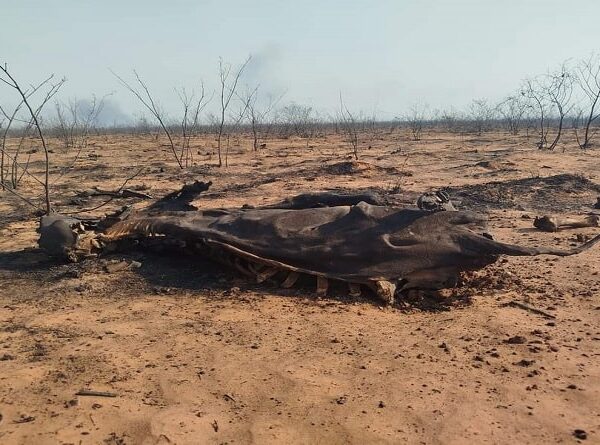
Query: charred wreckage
(355, 239)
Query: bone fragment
(322, 285)
(290, 280)
(266, 274)
(555, 223)
(255, 268)
(241, 268)
(385, 290)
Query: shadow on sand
(171, 272)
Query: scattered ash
(564, 192)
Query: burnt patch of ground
(14, 209)
(558, 193)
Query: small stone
(70, 403)
(341, 400)
(580, 434)
(524, 363)
(516, 340)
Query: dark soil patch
(354, 167)
(557, 193)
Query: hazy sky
(381, 55)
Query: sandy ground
(198, 354)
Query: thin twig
(532, 309)
(89, 392)
(112, 198)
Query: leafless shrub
(234, 124)
(349, 126)
(33, 120)
(560, 92)
(228, 83)
(416, 118)
(371, 126)
(190, 121)
(297, 120)
(259, 116)
(588, 80)
(551, 98)
(76, 120)
(7, 120)
(17, 169)
(142, 93)
(450, 119)
(513, 110)
(534, 92)
(178, 133)
(481, 115)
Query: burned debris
(383, 248)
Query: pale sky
(381, 55)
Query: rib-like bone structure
(322, 286)
(555, 223)
(290, 280)
(266, 274)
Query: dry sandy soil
(196, 353)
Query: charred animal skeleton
(383, 248)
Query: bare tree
(9, 119)
(190, 121)
(513, 109)
(416, 119)
(76, 119)
(228, 83)
(588, 80)
(259, 116)
(25, 95)
(559, 89)
(145, 97)
(349, 126)
(534, 92)
(449, 118)
(17, 169)
(235, 120)
(298, 120)
(550, 97)
(481, 115)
